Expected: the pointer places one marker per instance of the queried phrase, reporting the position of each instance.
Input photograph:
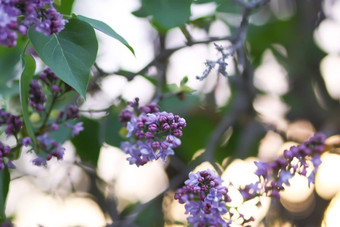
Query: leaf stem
(48, 112)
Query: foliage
(181, 125)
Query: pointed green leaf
(4, 185)
(70, 54)
(103, 27)
(24, 83)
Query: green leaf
(110, 127)
(70, 54)
(65, 6)
(166, 14)
(103, 27)
(24, 83)
(9, 58)
(151, 215)
(88, 143)
(4, 186)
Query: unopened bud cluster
(45, 147)
(37, 100)
(152, 134)
(12, 125)
(19, 15)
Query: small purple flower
(153, 128)
(76, 129)
(50, 146)
(284, 178)
(14, 124)
(193, 179)
(11, 165)
(56, 89)
(262, 169)
(316, 161)
(131, 126)
(26, 141)
(58, 153)
(54, 127)
(39, 161)
(147, 126)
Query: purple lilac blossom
(205, 199)
(37, 98)
(13, 122)
(26, 141)
(76, 128)
(4, 151)
(39, 13)
(51, 147)
(274, 176)
(39, 161)
(152, 134)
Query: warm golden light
(331, 217)
(327, 181)
(240, 173)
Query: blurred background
(288, 90)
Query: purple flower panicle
(13, 122)
(49, 146)
(4, 151)
(39, 13)
(152, 134)
(205, 199)
(274, 176)
(37, 98)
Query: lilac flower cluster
(57, 87)
(275, 175)
(36, 97)
(4, 151)
(19, 15)
(13, 122)
(205, 199)
(37, 100)
(13, 125)
(152, 134)
(51, 147)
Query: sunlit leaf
(103, 27)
